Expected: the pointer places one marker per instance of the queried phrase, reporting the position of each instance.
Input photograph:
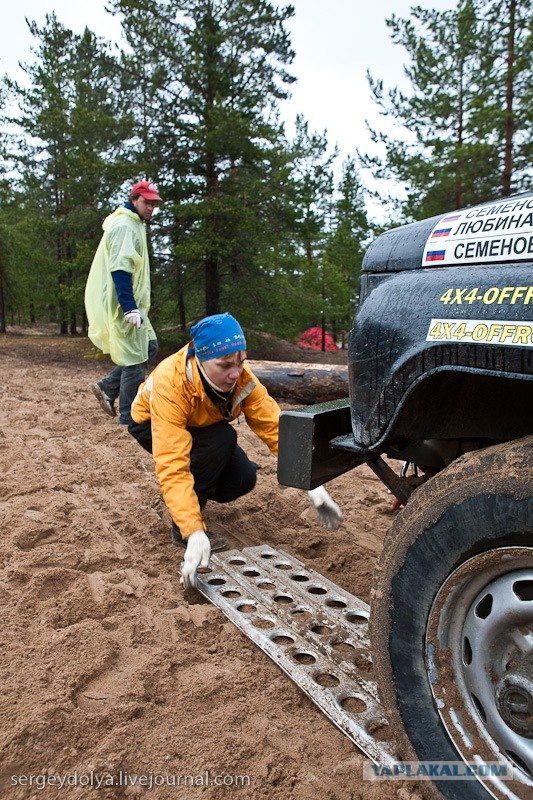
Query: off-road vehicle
(441, 380)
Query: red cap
(146, 189)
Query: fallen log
(302, 382)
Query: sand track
(107, 666)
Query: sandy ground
(107, 667)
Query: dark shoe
(105, 402)
(217, 542)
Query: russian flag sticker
(435, 255)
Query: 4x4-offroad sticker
(494, 295)
(481, 331)
(501, 231)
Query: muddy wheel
(452, 623)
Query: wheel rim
(479, 658)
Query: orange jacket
(173, 397)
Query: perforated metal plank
(314, 630)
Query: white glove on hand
(134, 318)
(196, 555)
(329, 513)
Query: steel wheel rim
(471, 642)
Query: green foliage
(212, 136)
(68, 155)
(453, 150)
(344, 253)
(252, 223)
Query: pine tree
(221, 69)
(346, 247)
(451, 154)
(510, 74)
(68, 155)
(312, 197)
(6, 193)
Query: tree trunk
(459, 177)
(211, 260)
(182, 319)
(3, 273)
(509, 96)
(302, 383)
(212, 285)
(2, 303)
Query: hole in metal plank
(283, 565)
(344, 648)
(237, 561)
(335, 603)
(353, 704)
(267, 555)
(304, 658)
(322, 630)
(266, 585)
(355, 617)
(246, 608)
(327, 679)
(230, 594)
(216, 581)
(282, 639)
(299, 578)
(317, 590)
(283, 599)
(263, 624)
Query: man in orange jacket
(181, 414)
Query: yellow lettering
(529, 296)
(507, 332)
(522, 334)
(448, 330)
(435, 331)
(518, 293)
(504, 294)
(494, 331)
(471, 297)
(490, 295)
(480, 332)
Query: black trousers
(221, 469)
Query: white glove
(134, 317)
(196, 555)
(329, 513)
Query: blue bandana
(216, 336)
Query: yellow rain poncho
(122, 247)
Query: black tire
(482, 502)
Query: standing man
(117, 300)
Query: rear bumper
(307, 456)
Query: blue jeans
(123, 382)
